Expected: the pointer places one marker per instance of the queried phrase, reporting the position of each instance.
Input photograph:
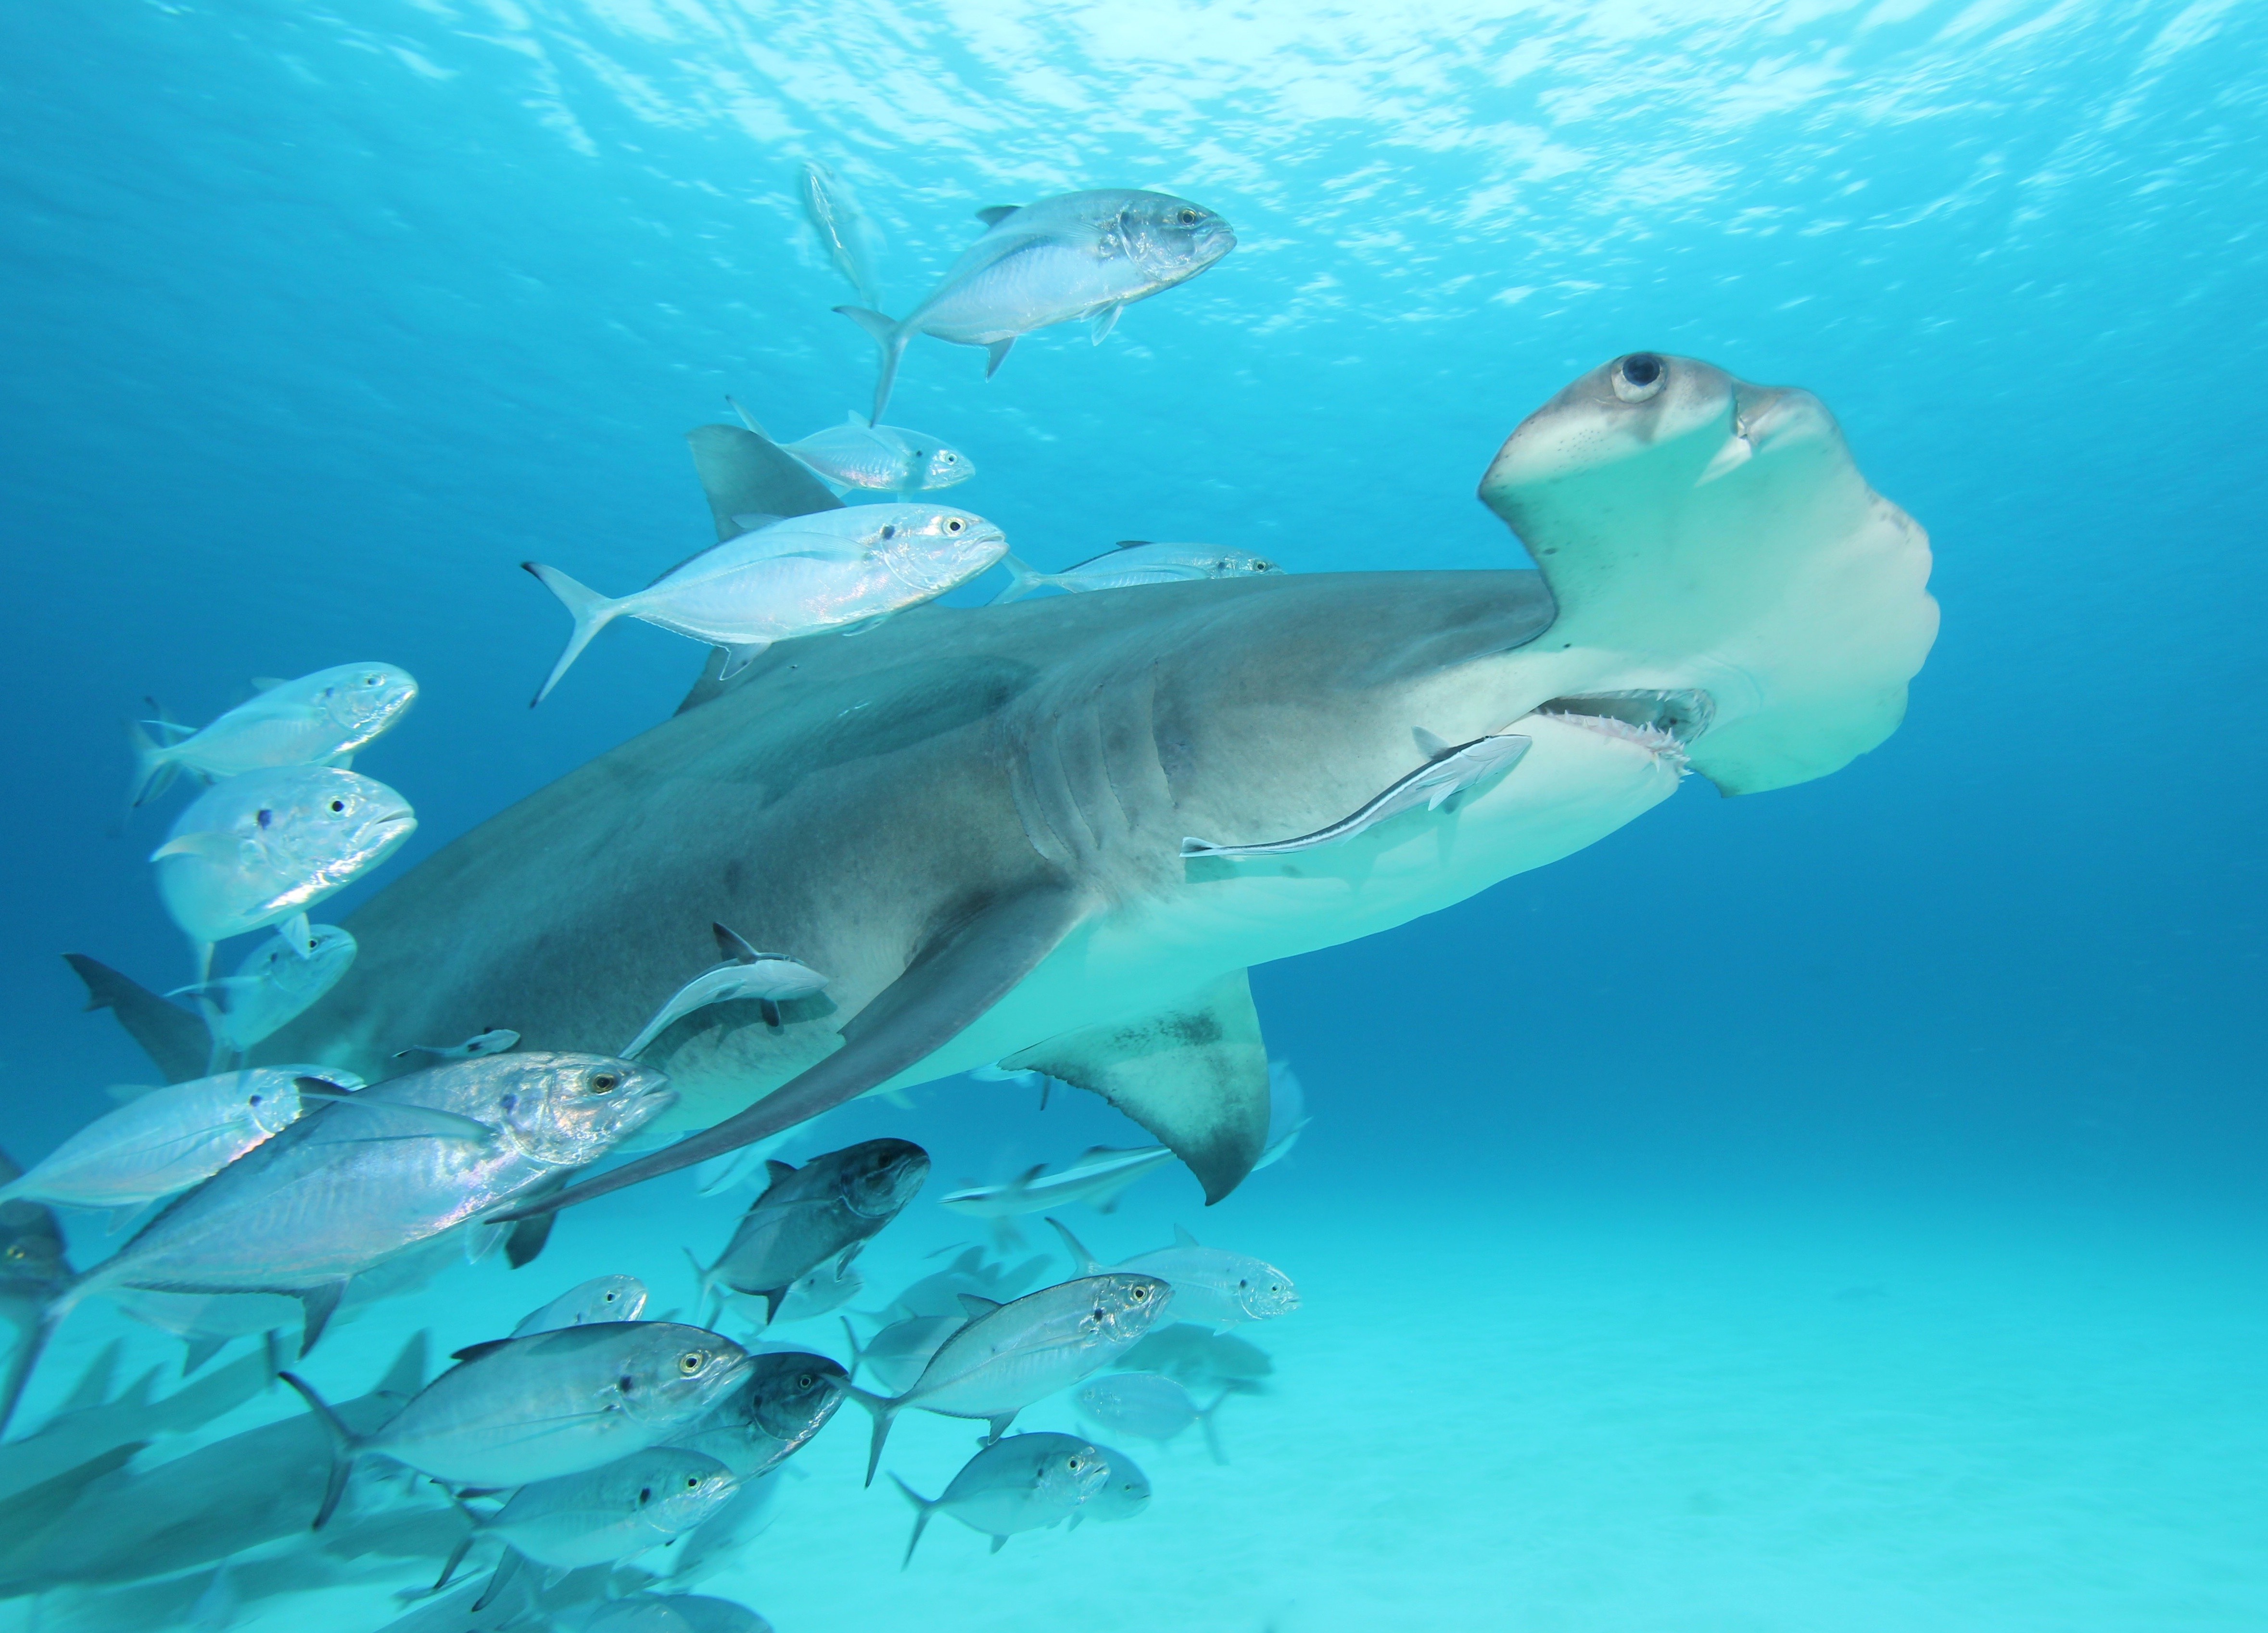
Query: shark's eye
(954, 524)
(1640, 376)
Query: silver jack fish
(843, 232)
(786, 1397)
(268, 846)
(1011, 1355)
(1149, 1406)
(876, 458)
(518, 1410)
(275, 985)
(827, 1209)
(897, 1355)
(1125, 1494)
(1073, 258)
(1025, 1482)
(371, 1175)
(601, 1298)
(770, 979)
(322, 718)
(1210, 1284)
(798, 576)
(1134, 561)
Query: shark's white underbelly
(1575, 785)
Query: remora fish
(794, 576)
(1011, 1355)
(603, 1516)
(495, 1040)
(1149, 1406)
(1025, 1482)
(517, 1410)
(1443, 782)
(971, 818)
(277, 983)
(319, 719)
(263, 848)
(827, 1209)
(1124, 1494)
(364, 1178)
(770, 979)
(843, 232)
(1133, 561)
(602, 1298)
(1210, 1284)
(1098, 1178)
(876, 458)
(206, 1506)
(1075, 257)
(786, 1397)
(166, 1140)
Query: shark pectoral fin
(1196, 1076)
(746, 474)
(176, 1040)
(964, 968)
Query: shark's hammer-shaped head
(1715, 536)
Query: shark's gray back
(843, 798)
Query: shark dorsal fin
(1031, 1173)
(732, 948)
(1429, 745)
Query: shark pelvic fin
(1196, 1076)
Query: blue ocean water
(1838, 1207)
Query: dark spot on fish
(646, 1496)
(626, 1384)
(266, 817)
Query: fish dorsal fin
(267, 682)
(732, 947)
(126, 1094)
(1194, 1074)
(1031, 1173)
(474, 1352)
(854, 417)
(1129, 544)
(1182, 1238)
(749, 521)
(1083, 1261)
(93, 1385)
(1429, 745)
(977, 1306)
(779, 1174)
(993, 215)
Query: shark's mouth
(1661, 722)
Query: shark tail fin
(1087, 1263)
(924, 1507)
(176, 1041)
(346, 1445)
(31, 1347)
(1211, 1431)
(591, 611)
(887, 333)
(154, 764)
(885, 1410)
(1023, 579)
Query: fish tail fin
(154, 765)
(1086, 1262)
(507, 1567)
(31, 1347)
(885, 1410)
(591, 611)
(857, 1355)
(346, 1445)
(745, 419)
(1211, 1431)
(924, 1507)
(704, 1286)
(887, 333)
(1023, 579)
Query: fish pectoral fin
(996, 354)
(968, 964)
(1196, 1076)
(527, 1239)
(317, 1305)
(1105, 321)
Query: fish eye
(374, 680)
(693, 1482)
(806, 1380)
(603, 1083)
(1074, 1463)
(1141, 1295)
(338, 806)
(954, 524)
(1638, 376)
(266, 817)
(612, 1296)
(692, 1361)
(1190, 217)
(950, 458)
